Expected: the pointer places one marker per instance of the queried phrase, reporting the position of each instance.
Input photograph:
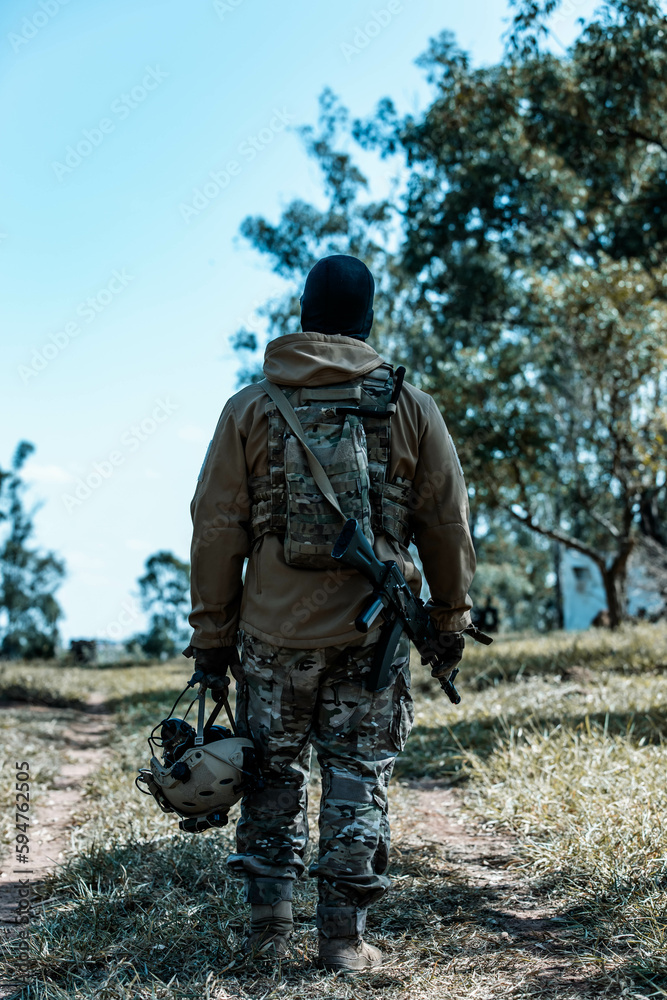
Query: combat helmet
(203, 771)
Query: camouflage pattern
(355, 453)
(312, 524)
(290, 700)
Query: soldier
(300, 676)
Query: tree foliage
(29, 611)
(522, 269)
(165, 596)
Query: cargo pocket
(403, 713)
(342, 706)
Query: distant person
(83, 650)
(487, 617)
(300, 676)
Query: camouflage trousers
(289, 701)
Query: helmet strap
(203, 727)
(201, 716)
(216, 712)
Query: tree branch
(635, 134)
(559, 536)
(611, 528)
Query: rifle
(402, 612)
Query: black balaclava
(338, 297)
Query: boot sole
(269, 950)
(335, 967)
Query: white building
(583, 591)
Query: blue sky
(119, 286)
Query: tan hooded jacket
(304, 608)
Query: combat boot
(271, 922)
(348, 954)
(341, 945)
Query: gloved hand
(213, 664)
(443, 655)
(444, 652)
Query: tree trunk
(614, 578)
(558, 558)
(615, 602)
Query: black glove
(444, 652)
(212, 665)
(443, 655)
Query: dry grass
(559, 740)
(49, 682)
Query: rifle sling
(292, 420)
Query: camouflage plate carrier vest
(353, 445)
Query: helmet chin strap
(216, 711)
(201, 716)
(202, 726)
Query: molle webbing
(316, 407)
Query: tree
(165, 596)
(29, 612)
(525, 287)
(516, 574)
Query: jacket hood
(318, 359)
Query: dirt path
(51, 821)
(517, 929)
